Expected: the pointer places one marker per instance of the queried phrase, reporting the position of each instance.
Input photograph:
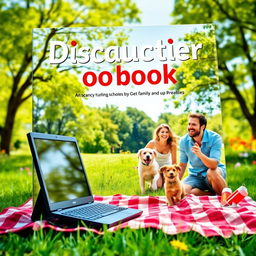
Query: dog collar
(172, 182)
(144, 163)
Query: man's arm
(210, 163)
(183, 158)
(183, 167)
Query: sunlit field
(114, 174)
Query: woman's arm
(151, 144)
(174, 154)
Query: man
(202, 149)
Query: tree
(18, 18)
(142, 130)
(198, 79)
(124, 123)
(179, 123)
(54, 107)
(236, 33)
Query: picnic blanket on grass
(203, 214)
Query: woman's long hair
(172, 140)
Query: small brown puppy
(174, 189)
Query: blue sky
(155, 12)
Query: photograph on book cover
(112, 87)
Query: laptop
(65, 195)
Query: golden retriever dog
(174, 189)
(147, 168)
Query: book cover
(111, 87)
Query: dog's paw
(176, 200)
(169, 203)
(154, 182)
(154, 187)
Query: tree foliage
(235, 23)
(52, 108)
(18, 18)
(178, 123)
(142, 129)
(198, 78)
(124, 123)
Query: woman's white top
(163, 159)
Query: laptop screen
(62, 170)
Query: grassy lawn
(16, 180)
(114, 174)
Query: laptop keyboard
(93, 212)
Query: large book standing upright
(111, 86)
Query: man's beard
(195, 133)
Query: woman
(164, 143)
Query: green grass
(111, 175)
(244, 175)
(16, 180)
(123, 242)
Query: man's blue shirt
(211, 147)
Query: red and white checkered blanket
(202, 214)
